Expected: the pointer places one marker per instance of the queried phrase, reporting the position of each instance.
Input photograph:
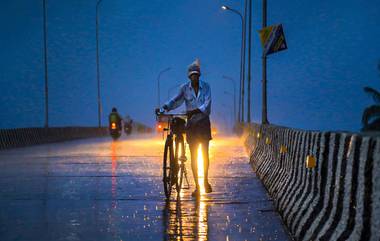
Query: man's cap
(194, 68)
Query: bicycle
(174, 158)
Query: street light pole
(264, 117)
(158, 85)
(249, 63)
(234, 99)
(230, 110)
(46, 68)
(97, 63)
(171, 89)
(234, 95)
(242, 60)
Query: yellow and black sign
(272, 39)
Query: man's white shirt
(186, 94)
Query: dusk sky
(333, 51)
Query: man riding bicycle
(197, 98)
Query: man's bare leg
(194, 166)
(206, 160)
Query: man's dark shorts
(198, 128)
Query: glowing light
(201, 172)
(160, 126)
(113, 125)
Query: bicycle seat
(178, 125)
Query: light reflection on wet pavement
(97, 189)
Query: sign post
(273, 40)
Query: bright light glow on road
(201, 172)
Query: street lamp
(242, 62)
(158, 84)
(234, 94)
(97, 62)
(46, 68)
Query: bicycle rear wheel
(181, 164)
(167, 172)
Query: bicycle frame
(174, 140)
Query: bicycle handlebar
(174, 114)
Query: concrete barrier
(338, 199)
(10, 138)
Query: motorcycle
(127, 129)
(115, 131)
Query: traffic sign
(272, 39)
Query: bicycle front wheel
(167, 172)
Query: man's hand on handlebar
(161, 110)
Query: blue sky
(317, 83)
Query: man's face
(194, 78)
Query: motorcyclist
(128, 124)
(114, 117)
(197, 97)
(127, 120)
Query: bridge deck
(99, 190)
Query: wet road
(96, 189)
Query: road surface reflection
(186, 220)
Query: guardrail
(11, 138)
(325, 185)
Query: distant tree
(371, 114)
